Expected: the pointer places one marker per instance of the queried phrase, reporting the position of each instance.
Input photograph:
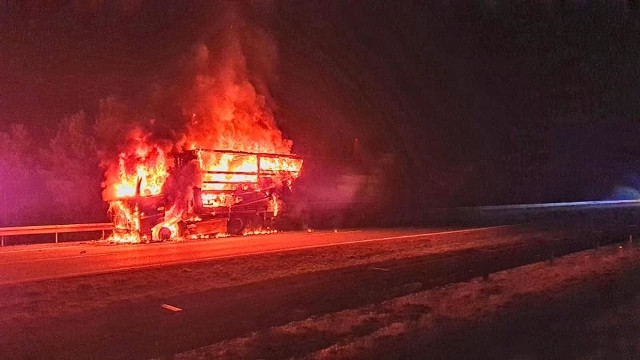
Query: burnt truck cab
(218, 191)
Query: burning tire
(165, 234)
(235, 226)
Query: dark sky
(479, 102)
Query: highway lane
(122, 315)
(21, 264)
(140, 327)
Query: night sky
(476, 102)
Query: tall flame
(225, 112)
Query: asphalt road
(144, 329)
(40, 262)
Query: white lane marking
(223, 257)
(170, 307)
(379, 269)
(386, 238)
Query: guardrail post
(2, 241)
(56, 238)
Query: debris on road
(171, 307)
(379, 269)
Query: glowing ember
(126, 222)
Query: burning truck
(220, 166)
(226, 171)
(160, 189)
(199, 193)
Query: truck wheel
(235, 226)
(164, 233)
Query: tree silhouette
(70, 171)
(23, 199)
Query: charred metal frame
(260, 173)
(247, 208)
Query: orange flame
(225, 112)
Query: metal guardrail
(53, 229)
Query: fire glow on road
(26, 266)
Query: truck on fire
(207, 192)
